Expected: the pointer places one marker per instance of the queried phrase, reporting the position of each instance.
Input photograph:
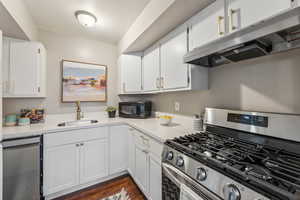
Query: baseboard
(85, 186)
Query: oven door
(178, 186)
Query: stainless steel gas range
(239, 156)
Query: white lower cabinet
(74, 158)
(93, 160)
(147, 159)
(155, 178)
(131, 153)
(61, 169)
(141, 168)
(118, 137)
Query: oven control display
(254, 120)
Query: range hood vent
(277, 34)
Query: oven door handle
(169, 172)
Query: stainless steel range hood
(276, 34)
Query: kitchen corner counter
(150, 126)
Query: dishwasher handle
(21, 142)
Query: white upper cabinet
(208, 25)
(131, 73)
(174, 72)
(243, 13)
(118, 149)
(24, 69)
(151, 70)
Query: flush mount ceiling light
(86, 18)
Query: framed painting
(85, 82)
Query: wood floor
(107, 189)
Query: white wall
(72, 48)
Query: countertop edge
(32, 133)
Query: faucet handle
(78, 104)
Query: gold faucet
(79, 114)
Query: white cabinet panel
(131, 153)
(208, 25)
(118, 148)
(243, 13)
(174, 71)
(141, 168)
(5, 65)
(24, 69)
(61, 168)
(93, 160)
(131, 70)
(151, 71)
(155, 179)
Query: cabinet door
(131, 153)
(61, 168)
(118, 149)
(155, 179)
(24, 68)
(243, 13)
(131, 73)
(174, 71)
(151, 71)
(93, 160)
(5, 66)
(208, 25)
(141, 168)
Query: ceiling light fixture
(86, 18)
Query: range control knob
(170, 155)
(180, 161)
(231, 192)
(201, 174)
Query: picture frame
(85, 82)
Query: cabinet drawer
(74, 136)
(141, 140)
(156, 148)
(147, 143)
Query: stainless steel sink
(78, 122)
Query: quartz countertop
(151, 126)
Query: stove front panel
(213, 180)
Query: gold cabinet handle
(231, 13)
(162, 82)
(145, 151)
(157, 83)
(220, 19)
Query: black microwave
(138, 110)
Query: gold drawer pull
(220, 19)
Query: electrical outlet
(177, 106)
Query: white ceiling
(114, 16)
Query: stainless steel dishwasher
(21, 169)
